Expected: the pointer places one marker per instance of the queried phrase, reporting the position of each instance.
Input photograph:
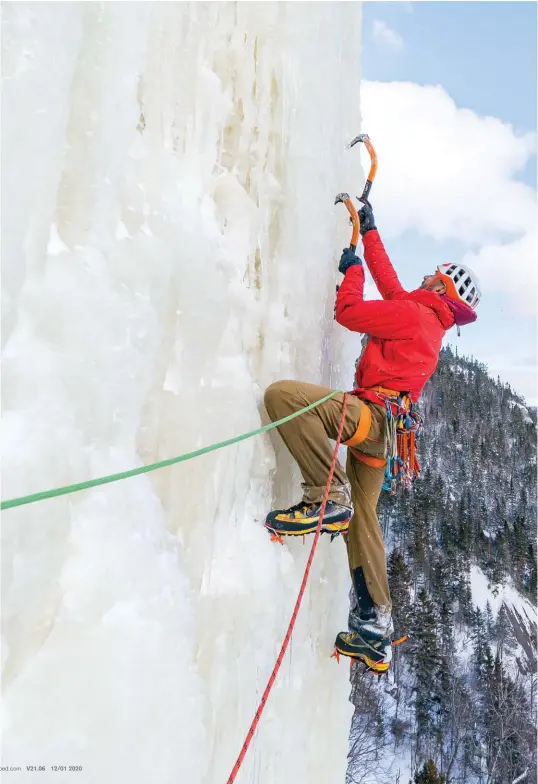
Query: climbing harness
(404, 425)
(280, 657)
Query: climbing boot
(364, 615)
(373, 622)
(375, 651)
(303, 519)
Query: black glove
(348, 259)
(367, 220)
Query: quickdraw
(404, 426)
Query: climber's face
(432, 283)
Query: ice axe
(344, 197)
(365, 139)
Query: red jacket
(406, 328)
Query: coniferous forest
(460, 705)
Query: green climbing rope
(30, 499)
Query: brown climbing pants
(307, 438)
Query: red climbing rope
(280, 657)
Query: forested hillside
(462, 563)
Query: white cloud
(450, 173)
(384, 35)
(510, 268)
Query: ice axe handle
(365, 139)
(366, 192)
(344, 199)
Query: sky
(449, 100)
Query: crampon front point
(278, 536)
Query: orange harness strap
(363, 428)
(370, 460)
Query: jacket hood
(463, 314)
(438, 304)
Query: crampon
(302, 519)
(376, 658)
(278, 536)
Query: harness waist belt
(385, 391)
(404, 398)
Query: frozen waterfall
(170, 248)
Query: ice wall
(169, 249)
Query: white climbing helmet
(461, 283)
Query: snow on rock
(483, 592)
(524, 410)
(522, 615)
(170, 248)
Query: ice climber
(405, 330)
